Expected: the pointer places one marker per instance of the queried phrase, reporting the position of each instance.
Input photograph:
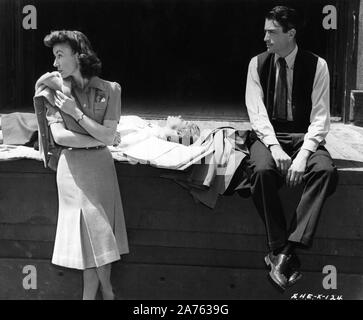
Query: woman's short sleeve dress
(91, 229)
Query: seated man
(287, 98)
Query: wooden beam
(360, 49)
(350, 30)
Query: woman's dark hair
(288, 18)
(90, 64)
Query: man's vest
(303, 80)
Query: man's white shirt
(320, 110)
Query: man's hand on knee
(296, 172)
(282, 159)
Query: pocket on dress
(100, 108)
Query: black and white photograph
(200, 151)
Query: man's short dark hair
(288, 18)
(90, 64)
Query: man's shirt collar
(290, 58)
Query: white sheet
(163, 154)
(139, 145)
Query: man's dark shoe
(278, 267)
(293, 271)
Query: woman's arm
(103, 132)
(67, 138)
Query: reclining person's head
(179, 129)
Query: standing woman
(91, 232)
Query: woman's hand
(116, 139)
(66, 104)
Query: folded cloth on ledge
(164, 154)
(141, 143)
(19, 128)
(134, 129)
(12, 152)
(214, 175)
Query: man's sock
(278, 250)
(288, 249)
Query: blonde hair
(189, 129)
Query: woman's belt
(87, 148)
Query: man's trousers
(320, 180)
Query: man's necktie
(280, 105)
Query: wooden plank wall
(178, 249)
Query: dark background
(181, 52)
